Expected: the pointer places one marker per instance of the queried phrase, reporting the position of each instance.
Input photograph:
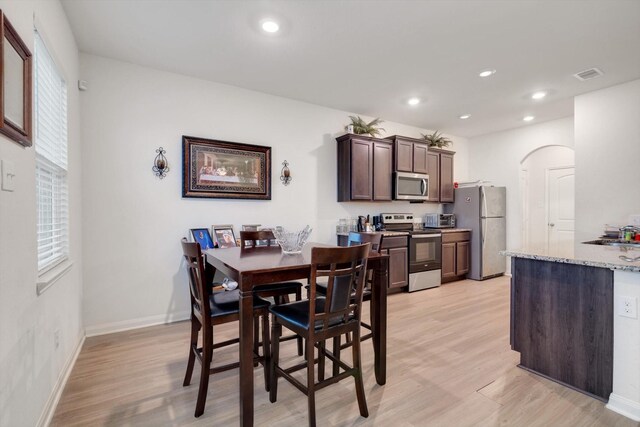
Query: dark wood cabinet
(365, 168)
(446, 177)
(562, 319)
(404, 155)
(448, 260)
(397, 249)
(414, 155)
(455, 255)
(433, 169)
(398, 267)
(462, 258)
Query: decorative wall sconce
(285, 173)
(160, 164)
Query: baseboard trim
(623, 406)
(56, 393)
(142, 322)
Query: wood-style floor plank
(449, 364)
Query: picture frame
(225, 170)
(202, 236)
(223, 236)
(16, 85)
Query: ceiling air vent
(589, 74)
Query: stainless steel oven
(425, 260)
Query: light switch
(8, 175)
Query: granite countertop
(384, 233)
(585, 254)
(452, 230)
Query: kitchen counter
(568, 322)
(451, 230)
(384, 233)
(587, 255)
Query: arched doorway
(547, 182)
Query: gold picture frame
(16, 85)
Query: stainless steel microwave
(411, 186)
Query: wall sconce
(285, 173)
(160, 164)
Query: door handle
(551, 224)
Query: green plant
(360, 127)
(437, 140)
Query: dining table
(252, 267)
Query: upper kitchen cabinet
(365, 168)
(414, 155)
(445, 162)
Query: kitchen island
(566, 322)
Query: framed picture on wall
(224, 237)
(16, 85)
(226, 170)
(202, 236)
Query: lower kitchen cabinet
(398, 251)
(398, 267)
(455, 255)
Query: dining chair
(256, 240)
(208, 309)
(319, 318)
(375, 239)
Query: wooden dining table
(252, 267)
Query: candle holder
(160, 164)
(285, 173)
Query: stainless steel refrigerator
(483, 210)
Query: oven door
(425, 252)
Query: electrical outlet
(56, 339)
(628, 307)
(634, 220)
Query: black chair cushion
(297, 313)
(284, 286)
(228, 302)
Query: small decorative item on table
(291, 242)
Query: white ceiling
(369, 57)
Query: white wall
(133, 221)
(607, 158)
(496, 157)
(30, 367)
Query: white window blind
(51, 159)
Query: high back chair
(320, 318)
(214, 308)
(257, 240)
(375, 239)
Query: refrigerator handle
(483, 211)
(483, 231)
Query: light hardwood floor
(449, 364)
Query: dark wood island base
(562, 323)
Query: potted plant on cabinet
(360, 127)
(437, 140)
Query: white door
(561, 210)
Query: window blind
(51, 159)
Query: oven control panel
(396, 218)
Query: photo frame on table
(202, 236)
(225, 170)
(223, 236)
(16, 64)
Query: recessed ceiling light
(413, 101)
(487, 73)
(528, 118)
(270, 26)
(539, 95)
(465, 116)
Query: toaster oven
(438, 220)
